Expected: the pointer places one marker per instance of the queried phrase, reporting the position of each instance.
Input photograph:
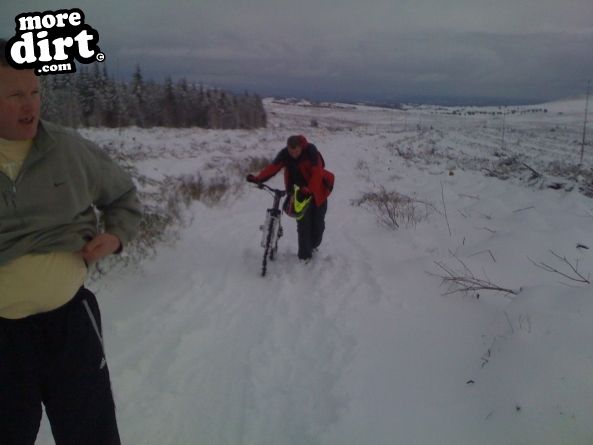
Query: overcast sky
(348, 49)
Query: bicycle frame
(272, 228)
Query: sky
(439, 51)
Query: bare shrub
(189, 188)
(215, 191)
(571, 271)
(393, 209)
(465, 281)
(193, 188)
(253, 164)
(406, 153)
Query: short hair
(3, 49)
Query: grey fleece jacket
(49, 207)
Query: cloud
(509, 48)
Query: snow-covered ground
(361, 346)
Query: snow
(361, 346)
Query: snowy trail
(251, 358)
(254, 360)
(268, 361)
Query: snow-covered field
(361, 346)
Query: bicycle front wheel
(268, 249)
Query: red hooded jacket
(308, 170)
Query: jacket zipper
(11, 192)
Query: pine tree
(92, 98)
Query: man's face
(295, 151)
(20, 104)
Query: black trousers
(310, 229)
(56, 359)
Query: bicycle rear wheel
(278, 232)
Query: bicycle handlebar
(270, 189)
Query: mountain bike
(272, 227)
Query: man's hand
(99, 247)
(252, 179)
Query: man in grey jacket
(53, 184)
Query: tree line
(92, 98)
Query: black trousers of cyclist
(56, 359)
(310, 229)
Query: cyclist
(304, 167)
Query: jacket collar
(43, 141)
